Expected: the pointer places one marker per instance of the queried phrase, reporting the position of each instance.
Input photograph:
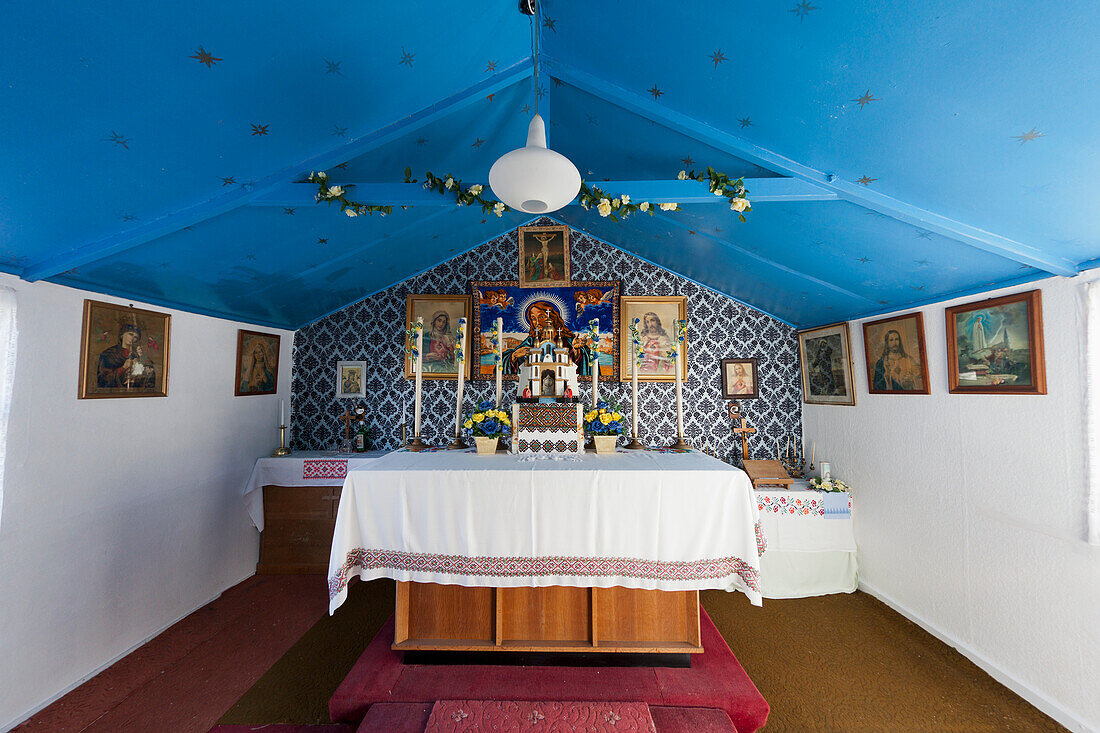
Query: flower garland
(681, 334)
(617, 208)
(460, 334)
(410, 340)
(636, 341)
(821, 484)
(494, 341)
(594, 335)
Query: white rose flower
(449, 183)
(322, 175)
(336, 191)
(683, 175)
(604, 207)
(668, 207)
(625, 198)
(644, 206)
(476, 189)
(499, 209)
(350, 212)
(717, 191)
(317, 197)
(615, 203)
(739, 204)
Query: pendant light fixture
(535, 179)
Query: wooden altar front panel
(430, 616)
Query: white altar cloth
(637, 519)
(810, 552)
(303, 468)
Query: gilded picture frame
(440, 314)
(257, 363)
(123, 352)
(658, 314)
(544, 257)
(995, 346)
(895, 356)
(825, 356)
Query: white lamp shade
(535, 179)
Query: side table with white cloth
(577, 553)
(811, 545)
(292, 501)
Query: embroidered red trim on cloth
(537, 567)
(761, 540)
(324, 468)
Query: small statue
(527, 392)
(568, 393)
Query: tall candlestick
(813, 454)
(778, 455)
(594, 329)
(635, 344)
(419, 367)
(500, 359)
(678, 346)
(460, 360)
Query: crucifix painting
(543, 256)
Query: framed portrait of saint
(995, 346)
(123, 352)
(257, 363)
(826, 356)
(896, 359)
(440, 314)
(657, 315)
(351, 379)
(739, 381)
(544, 257)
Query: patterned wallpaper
(718, 327)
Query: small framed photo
(351, 379)
(896, 360)
(544, 257)
(995, 346)
(257, 363)
(826, 356)
(657, 316)
(739, 380)
(123, 352)
(440, 314)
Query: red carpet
(715, 680)
(463, 716)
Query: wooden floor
(185, 679)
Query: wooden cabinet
(298, 526)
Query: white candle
(595, 364)
(461, 362)
(282, 412)
(778, 456)
(418, 366)
(634, 378)
(679, 382)
(500, 359)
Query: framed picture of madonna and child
(440, 314)
(657, 316)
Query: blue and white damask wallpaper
(718, 328)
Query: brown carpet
(832, 663)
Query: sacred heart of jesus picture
(528, 315)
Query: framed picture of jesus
(896, 360)
(657, 316)
(543, 256)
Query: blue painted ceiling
(922, 150)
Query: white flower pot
(486, 445)
(605, 444)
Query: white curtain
(7, 374)
(1092, 413)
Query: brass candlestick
(416, 444)
(282, 450)
(680, 444)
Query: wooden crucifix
(744, 431)
(348, 418)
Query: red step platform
(714, 680)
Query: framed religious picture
(826, 355)
(895, 355)
(739, 379)
(657, 316)
(995, 346)
(123, 352)
(440, 314)
(351, 379)
(527, 315)
(257, 363)
(543, 257)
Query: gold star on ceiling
(259, 129)
(203, 57)
(864, 180)
(717, 57)
(288, 211)
(322, 240)
(655, 92)
(228, 180)
(866, 99)
(117, 139)
(687, 161)
(745, 122)
(406, 57)
(478, 142)
(339, 131)
(549, 23)
(803, 9)
(491, 66)
(333, 67)
(1031, 134)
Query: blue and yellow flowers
(494, 341)
(636, 342)
(487, 422)
(460, 334)
(605, 419)
(411, 339)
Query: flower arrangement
(607, 205)
(460, 334)
(494, 341)
(606, 419)
(829, 484)
(410, 340)
(487, 422)
(594, 336)
(681, 334)
(636, 342)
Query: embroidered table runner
(637, 519)
(306, 468)
(806, 521)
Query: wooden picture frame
(257, 363)
(659, 314)
(825, 358)
(574, 306)
(439, 340)
(351, 379)
(544, 257)
(123, 352)
(995, 346)
(888, 349)
(743, 386)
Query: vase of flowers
(829, 484)
(605, 425)
(487, 426)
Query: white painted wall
(971, 511)
(120, 516)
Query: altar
(532, 552)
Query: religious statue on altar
(549, 371)
(542, 315)
(546, 414)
